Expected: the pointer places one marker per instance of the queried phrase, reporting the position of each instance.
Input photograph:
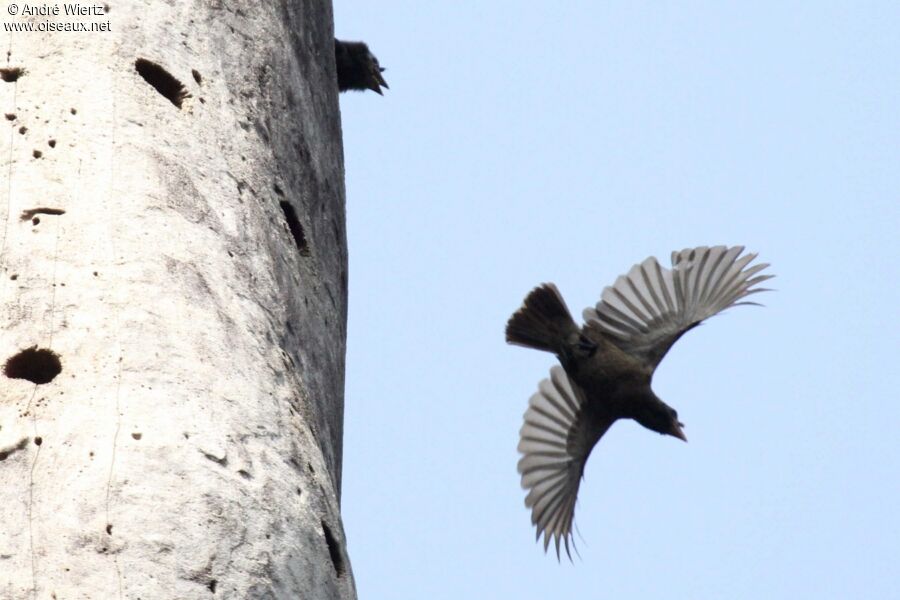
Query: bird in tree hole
(608, 365)
(357, 68)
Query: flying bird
(608, 365)
(357, 68)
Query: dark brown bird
(608, 365)
(357, 68)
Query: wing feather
(646, 310)
(555, 441)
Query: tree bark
(172, 204)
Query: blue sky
(529, 142)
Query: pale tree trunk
(172, 204)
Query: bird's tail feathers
(544, 322)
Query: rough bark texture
(191, 445)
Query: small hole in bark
(162, 81)
(14, 276)
(37, 154)
(219, 460)
(196, 75)
(37, 365)
(73, 111)
(38, 440)
(10, 116)
(212, 585)
(136, 435)
(23, 129)
(11, 74)
(299, 492)
(245, 474)
(29, 213)
(51, 143)
(109, 528)
(277, 189)
(334, 550)
(35, 221)
(295, 227)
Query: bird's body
(357, 68)
(597, 364)
(608, 365)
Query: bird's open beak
(678, 432)
(378, 80)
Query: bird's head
(660, 417)
(357, 68)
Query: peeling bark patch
(335, 231)
(162, 81)
(29, 213)
(37, 365)
(296, 229)
(11, 74)
(261, 131)
(334, 550)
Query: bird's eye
(674, 413)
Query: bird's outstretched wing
(647, 310)
(556, 440)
